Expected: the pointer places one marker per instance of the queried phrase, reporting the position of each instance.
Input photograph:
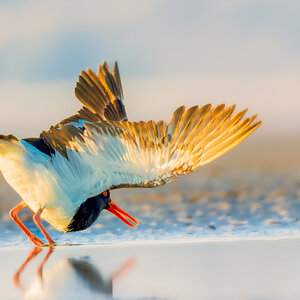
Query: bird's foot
(53, 244)
(36, 241)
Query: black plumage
(88, 212)
(41, 145)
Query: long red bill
(122, 215)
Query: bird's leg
(14, 215)
(37, 220)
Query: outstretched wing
(117, 154)
(101, 96)
(102, 99)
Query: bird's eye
(105, 194)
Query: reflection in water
(92, 278)
(69, 278)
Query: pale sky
(170, 53)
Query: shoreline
(166, 242)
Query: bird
(65, 175)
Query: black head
(89, 211)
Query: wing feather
(101, 96)
(115, 154)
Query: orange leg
(37, 220)
(14, 215)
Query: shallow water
(215, 270)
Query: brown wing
(101, 96)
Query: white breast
(30, 173)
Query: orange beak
(122, 215)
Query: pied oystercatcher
(65, 176)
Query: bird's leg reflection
(68, 277)
(124, 269)
(34, 252)
(40, 268)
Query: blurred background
(170, 53)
